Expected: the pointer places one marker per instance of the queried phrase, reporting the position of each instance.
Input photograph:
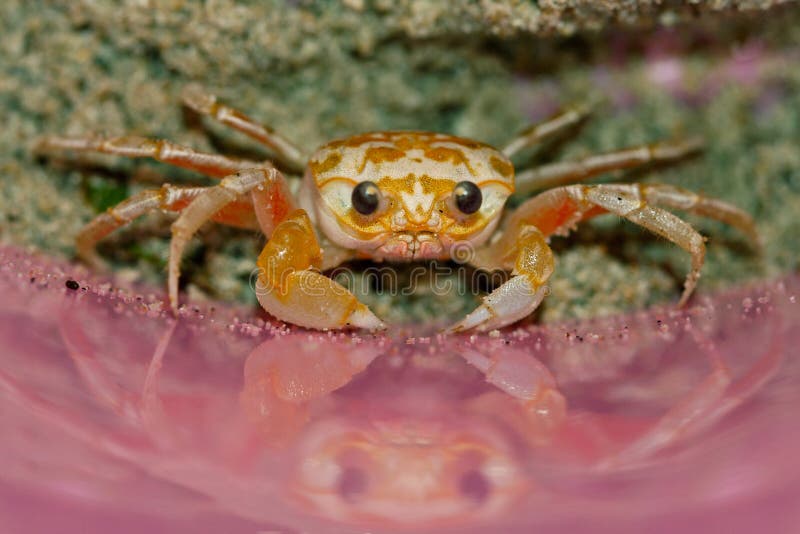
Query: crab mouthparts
(412, 246)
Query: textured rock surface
(318, 70)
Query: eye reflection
(474, 486)
(352, 483)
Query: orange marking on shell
(456, 157)
(501, 183)
(411, 141)
(344, 179)
(405, 140)
(395, 186)
(368, 225)
(358, 140)
(503, 167)
(331, 162)
(380, 154)
(462, 141)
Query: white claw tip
(479, 318)
(455, 329)
(362, 317)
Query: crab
(399, 196)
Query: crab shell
(416, 173)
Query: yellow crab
(398, 196)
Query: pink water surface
(248, 426)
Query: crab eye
(366, 198)
(468, 197)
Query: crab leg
(168, 197)
(677, 198)
(567, 172)
(72, 423)
(291, 287)
(198, 100)
(213, 165)
(137, 410)
(106, 391)
(270, 197)
(557, 211)
(150, 405)
(709, 402)
(523, 248)
(536, 133)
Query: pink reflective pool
(115, 416)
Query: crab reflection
(322, 425)
(409, 441)
(374, 432)
(424, 437)
(449, 431)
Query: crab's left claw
(532, 263)
(291, 288)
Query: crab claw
(509, 303)
(529, 258)
(291, 288)
(362, 317)
(285, 375)
(524, 378)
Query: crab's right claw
(291, 288)
(531, 265)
